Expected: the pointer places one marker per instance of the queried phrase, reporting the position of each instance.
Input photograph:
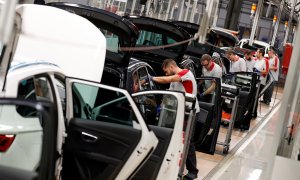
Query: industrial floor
(206, 163)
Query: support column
(181, 11)
(229, 10)
(132, 7)
(168, 10)
(206, 19)
(277, 24)
(187, 10)
(193, 11)
(256, 20)
(235, 14)
(290, 22)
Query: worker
(274, 73)
(209, 69)
(237, 64)
(262, 67)
(182, 80)
(250, 62)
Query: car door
(107, 136)
(164, 114)
(47, 120)
(208, 125)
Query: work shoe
(189, 176)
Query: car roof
(61, 38)
(105, 20)
(261, 43)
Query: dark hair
(261, 51)
(248, 52)
(167, 62)
(205, 57)
(230, 51)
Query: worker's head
(248, 55)
(230, 54)
(260, 53)
(271, 53)
(206, 61)
(169, 66)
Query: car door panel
(47, 120)
(107, 136)
(151, 167)
(203, 124)
(164, 113)
(207, 131)
(98, 147)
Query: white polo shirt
(238, 66)
(188, 84)
(214, 71)
(261, 65)
(274, 62)
(250, 65)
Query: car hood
(108, 22)
(167, 30)
(61, 38)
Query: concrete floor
(206, 163)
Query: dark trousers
(191, 161)
(256, 105)
(269, 92)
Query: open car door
(208, 124)
(164, 113)
(248, 83)
(107, 136)
(46, 120)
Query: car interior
(247, 83)
(99, 140)
(208, 123)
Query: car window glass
(36, 88)
(144, 79)
(99, 104)
(61, 92)
(153, 85)
(159, 110)
(148, 38)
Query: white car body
(257, 43)
(68, 45)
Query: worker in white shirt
(250, 62)
(209, 69)
(262, 67)
(237, 64)
(274, 73)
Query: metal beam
(290, 22)
(277, 24)
(255, 21)
(187, 10)
(206, 19)
(181, 10)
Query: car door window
(93, 103)
(35, 88)
(153, 85)
(158, 110)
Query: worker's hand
(201, 95)
(256, 70)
